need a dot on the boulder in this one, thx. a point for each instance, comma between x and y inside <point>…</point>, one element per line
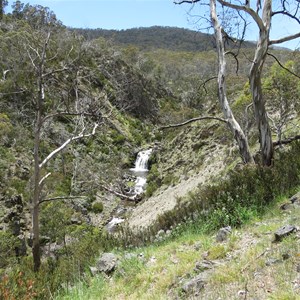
<point>107,263</point>
<point>203,265</point>
<point>284,231</point>
<point>195,285</point>
<point>295,199</point>
<point>223,233</point>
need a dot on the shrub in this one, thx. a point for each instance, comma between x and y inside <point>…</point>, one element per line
<point>97,207</point>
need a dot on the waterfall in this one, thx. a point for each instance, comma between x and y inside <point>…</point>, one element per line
<point>140,173</point>
<point>140,170</point>
<point>141,163</point>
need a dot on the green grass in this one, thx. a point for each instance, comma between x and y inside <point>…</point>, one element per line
<point>155,271</point>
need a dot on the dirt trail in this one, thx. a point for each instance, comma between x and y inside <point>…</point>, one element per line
<point>148,211</point>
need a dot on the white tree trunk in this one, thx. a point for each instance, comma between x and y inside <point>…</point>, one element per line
<point>233,125</point>
<point>265,135</point>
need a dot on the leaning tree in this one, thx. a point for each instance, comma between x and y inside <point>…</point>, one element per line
<point>264,14</point>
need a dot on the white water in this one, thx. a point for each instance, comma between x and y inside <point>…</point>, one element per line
<point>140,170</point>
<point>141,163</point>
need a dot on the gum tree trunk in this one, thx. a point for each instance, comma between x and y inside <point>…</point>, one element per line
<point>265,135</point>
<point>233,125</point>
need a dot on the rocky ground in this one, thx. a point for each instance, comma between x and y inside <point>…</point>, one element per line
<point>258,261</point>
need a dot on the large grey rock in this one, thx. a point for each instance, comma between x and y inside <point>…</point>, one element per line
<point>284,231</point>
<point>295,199</point>
<point>107,263</point>
<point>195,285</point>
<point>223,233</point>
<point>294,202</point>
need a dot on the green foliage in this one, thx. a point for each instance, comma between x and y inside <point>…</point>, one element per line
<point>97,207</point>
<point>6,129</point>
<point>8,243</point>
<point>20,282</point>
<point>153,180</point>
<point>217,252</point>
<point>155,37</point>
<point>55,217</point>
<point>6,159</point>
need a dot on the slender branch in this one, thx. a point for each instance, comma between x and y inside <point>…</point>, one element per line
<point>282,66</point>
<point>44,178</point>
<point>122,196</point>
<point>193,120</point>
<point>55,71</point>
<point>186,1</point>
<point>286,141</point>
<point>283,12</point>
<point>60,198</point>
<point>12,93</point>
<point>236,59</point>
<point>206,81</point>
<point>285,39</point>
<point>255,16</point>
<point>67,142</point>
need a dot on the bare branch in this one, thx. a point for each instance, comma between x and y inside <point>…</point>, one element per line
<point>255,16</point>
<point>67,142</point>
<point>134,198</point>
<point>236,59</point>
<point>60,198</point>
<point>282,66</point>
<point>193,120</point>
<point>186,1</point>
<point>287,141</point>
<point>11,93</point>
<point>55,71</point>
<point>285,39</point>
<point>206,81</point>
<point>44,178</point>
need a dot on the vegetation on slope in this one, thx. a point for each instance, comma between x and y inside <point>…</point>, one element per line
<point>157,37</point>
<point>248,262</point>
<point>134,89</point>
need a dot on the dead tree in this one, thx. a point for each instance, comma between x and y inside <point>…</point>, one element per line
<point>38,58</point>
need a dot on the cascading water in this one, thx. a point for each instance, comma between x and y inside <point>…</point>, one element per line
<point>141,163</point>
<point>140,171</point>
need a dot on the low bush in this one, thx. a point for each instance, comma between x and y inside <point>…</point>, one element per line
<point>97,207</point>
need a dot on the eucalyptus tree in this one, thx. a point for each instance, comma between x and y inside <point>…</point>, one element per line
<point>230,17</point>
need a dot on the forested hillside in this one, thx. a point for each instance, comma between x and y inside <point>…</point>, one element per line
<point>78,108</point>
<point>157,37</point>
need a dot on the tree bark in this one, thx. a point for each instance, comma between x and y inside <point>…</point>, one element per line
<point>36,252</point>
<point>229,117</point>
<point>265,135</point>
<point>36,197</point>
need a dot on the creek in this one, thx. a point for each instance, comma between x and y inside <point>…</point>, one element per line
<point>139,172</point>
